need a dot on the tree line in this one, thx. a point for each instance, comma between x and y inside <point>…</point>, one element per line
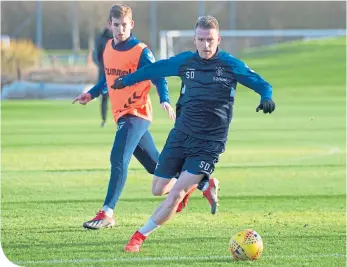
<point>18,18</point>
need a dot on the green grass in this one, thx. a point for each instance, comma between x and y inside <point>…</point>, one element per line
<point>282,175</point>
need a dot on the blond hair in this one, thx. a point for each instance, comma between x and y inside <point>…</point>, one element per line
<point>207,22</point>
<point>120,10</point>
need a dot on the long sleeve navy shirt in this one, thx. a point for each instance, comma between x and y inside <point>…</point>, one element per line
<point>208,91</point>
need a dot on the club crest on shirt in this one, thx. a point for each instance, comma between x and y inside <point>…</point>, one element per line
<point>219,71</point>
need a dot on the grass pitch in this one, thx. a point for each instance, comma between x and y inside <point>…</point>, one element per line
<point>282,175</point>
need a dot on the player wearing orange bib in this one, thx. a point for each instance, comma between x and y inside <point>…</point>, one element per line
<point>131,108</point>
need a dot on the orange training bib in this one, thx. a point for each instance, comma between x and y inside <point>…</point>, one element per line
<point>132,99</point>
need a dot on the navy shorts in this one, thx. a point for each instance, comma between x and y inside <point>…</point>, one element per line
<point>183,152</point>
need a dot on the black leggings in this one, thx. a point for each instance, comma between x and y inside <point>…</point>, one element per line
<point>104,100</point>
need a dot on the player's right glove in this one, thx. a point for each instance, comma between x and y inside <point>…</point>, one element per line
<point>118,83</point>
<point>267,106</point>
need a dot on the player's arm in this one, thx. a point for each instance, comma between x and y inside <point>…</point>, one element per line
<point>99,88</point>
<point>147,58</point>
<point>249,78</point>
<point>159,69</point>
<point>94,92</point>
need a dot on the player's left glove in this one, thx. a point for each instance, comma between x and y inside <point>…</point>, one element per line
<point>267,106</point>
<point>118,83</point>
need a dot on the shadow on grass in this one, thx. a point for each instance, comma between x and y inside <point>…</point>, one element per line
<point>153,199</point>
<point>101,245</point>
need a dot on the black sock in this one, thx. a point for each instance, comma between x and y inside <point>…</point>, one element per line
<point>203,182</point>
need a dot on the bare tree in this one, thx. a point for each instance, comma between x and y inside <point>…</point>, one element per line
<point>75,32</point>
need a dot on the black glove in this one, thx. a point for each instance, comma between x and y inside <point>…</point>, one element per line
<point>118,83</point>
<point>267,106</point>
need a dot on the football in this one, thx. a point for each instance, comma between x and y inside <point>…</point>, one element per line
<point>246,245</point>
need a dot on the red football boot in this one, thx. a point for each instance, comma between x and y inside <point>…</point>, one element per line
<point>211,194</point>
<point>135,242</point>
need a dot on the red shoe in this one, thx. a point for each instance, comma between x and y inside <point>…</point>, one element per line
<point>135,242</point>
<point>184,202</point>
<point>101,220</point>
<point>211,194</point>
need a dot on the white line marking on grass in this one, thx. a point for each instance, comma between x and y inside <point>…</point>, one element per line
<point>177,258</point>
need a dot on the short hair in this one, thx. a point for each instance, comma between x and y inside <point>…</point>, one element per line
<point>120,10</point>
<point>207,22</point>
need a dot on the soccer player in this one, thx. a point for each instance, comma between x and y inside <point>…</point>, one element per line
<point>100,42</point>
<point>132,110</point>
<point>210,77</point>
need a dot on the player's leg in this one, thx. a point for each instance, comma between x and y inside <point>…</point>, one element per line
<point>162,186</point>
<point>104,102</point>
<point>129,132</point>
<point>185,182</point>
<point>168,188</point>
<point>165,211</point>
<point>127,138</point>
<point>202,155</point>
<point>148,155</point>
<point>196,168</point>
<point>170,165</point>
<point>171,158</point>
<point>204,164</point>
